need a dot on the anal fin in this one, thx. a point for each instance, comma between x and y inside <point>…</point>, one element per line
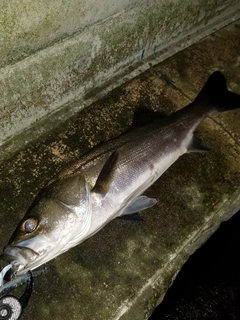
<point>197,146</point>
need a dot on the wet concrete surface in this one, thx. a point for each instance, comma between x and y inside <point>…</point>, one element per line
<point>124,271</point>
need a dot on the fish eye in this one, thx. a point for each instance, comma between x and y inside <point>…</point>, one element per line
<point>29,225</point>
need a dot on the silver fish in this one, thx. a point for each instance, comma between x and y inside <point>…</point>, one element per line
<point>109,181</point>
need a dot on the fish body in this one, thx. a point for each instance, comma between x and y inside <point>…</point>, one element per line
<point>109,181</point>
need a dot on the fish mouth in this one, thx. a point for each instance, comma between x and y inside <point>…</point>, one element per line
<point>14,261</point>
<point>28,254</point>
<point>8,268</point>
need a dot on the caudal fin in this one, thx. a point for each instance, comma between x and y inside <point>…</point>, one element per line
<point>215,90</point>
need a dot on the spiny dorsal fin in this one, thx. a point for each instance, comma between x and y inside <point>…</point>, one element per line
<point>143,116</point>
<point>105,176</point>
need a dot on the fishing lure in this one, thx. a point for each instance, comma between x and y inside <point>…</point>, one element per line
<point>11,307</point>
<point>7,287</point>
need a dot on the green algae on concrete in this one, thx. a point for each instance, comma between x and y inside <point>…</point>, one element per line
<point>79,58</point>
<point>124,270</point>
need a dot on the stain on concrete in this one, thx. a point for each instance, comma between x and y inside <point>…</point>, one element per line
<point>45,82</point>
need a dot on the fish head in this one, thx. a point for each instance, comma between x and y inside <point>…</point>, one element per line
<point>57,220</point>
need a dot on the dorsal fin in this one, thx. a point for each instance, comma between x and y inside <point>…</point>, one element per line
<point>105,176</point>
<point>143,116</point>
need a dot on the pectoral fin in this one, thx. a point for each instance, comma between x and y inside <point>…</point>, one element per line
<point>105,176</point>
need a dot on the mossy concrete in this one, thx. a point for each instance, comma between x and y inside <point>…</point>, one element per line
<point>124,270</point>
<point>63,52</point>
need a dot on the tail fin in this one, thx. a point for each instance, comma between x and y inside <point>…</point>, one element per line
<point>216,90</point>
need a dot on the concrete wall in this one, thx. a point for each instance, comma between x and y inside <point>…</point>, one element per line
<point>29,25</point>
<point>57,56</point>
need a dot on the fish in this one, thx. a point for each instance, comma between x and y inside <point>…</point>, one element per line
<point>110,181</point>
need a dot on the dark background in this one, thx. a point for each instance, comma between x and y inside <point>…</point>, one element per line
<point>208,286</point>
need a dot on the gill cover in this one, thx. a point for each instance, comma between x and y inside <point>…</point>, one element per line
<point>59,218</point>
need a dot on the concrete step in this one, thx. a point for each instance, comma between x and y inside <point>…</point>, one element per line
<point>124,270</point>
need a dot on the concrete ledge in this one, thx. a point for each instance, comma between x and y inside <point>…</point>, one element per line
<point>96,59</point>
<point>124,270</point>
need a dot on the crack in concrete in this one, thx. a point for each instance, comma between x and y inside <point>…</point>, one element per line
<point>225,130</point>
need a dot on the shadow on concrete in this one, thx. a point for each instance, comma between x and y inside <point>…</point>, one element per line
<point>208,286</point>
